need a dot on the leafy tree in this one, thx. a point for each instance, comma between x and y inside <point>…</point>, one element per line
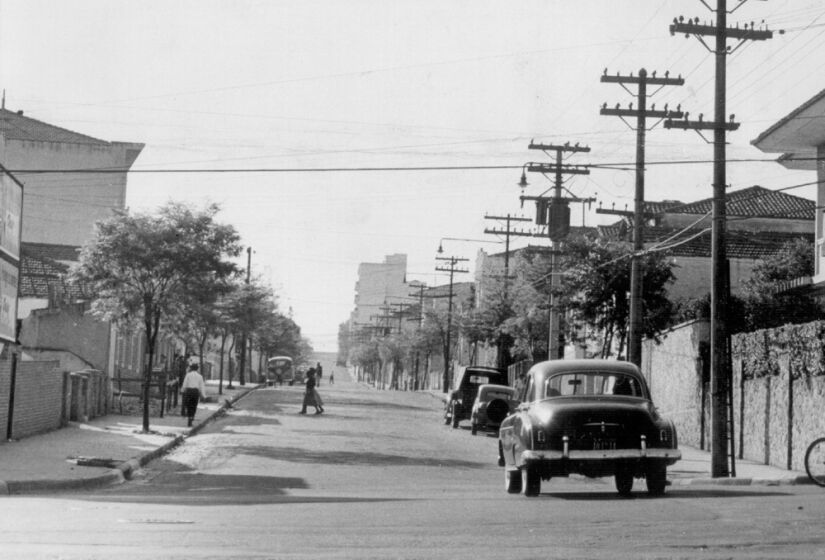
<point>766,303</point>
<point>251,306</point>
<point>145,268</point>
<point>596,290</point>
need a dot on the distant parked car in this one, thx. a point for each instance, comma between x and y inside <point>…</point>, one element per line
<point>589,417</point>
<point>460,403</point>
<point>492,405</point>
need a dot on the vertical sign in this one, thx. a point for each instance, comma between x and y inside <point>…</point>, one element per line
<point>11,212</point>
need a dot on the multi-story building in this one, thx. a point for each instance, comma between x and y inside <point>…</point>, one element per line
<point>380,285</point>
<point>70,180</point>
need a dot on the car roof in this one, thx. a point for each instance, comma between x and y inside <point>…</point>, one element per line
<point>555,366</point>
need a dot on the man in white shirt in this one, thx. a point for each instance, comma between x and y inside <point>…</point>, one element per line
<point>192,390</point>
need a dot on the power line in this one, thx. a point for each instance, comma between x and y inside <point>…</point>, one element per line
<point>607,165</point>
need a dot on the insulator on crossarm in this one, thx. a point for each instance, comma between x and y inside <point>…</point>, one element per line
<point>686,115</point>
<point>654,74</point>
<point>630,106</point>
<point>618,105</point>
<point>604,106</point>
<point>667,73</point>
<point>605,72</point>
<point>701,115</point>
<point>732,116</point>
<point>653,107</point>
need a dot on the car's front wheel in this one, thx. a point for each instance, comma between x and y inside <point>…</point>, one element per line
<point>656,478</point>
<point>512,481</point>
<point>530,481</point>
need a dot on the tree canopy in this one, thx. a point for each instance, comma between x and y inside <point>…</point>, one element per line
<point>147,268</point>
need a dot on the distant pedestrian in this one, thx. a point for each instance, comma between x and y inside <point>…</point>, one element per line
<point>310,394</point>
<point>193,390</point>
<point>332,377</point>
<point>319,371</point>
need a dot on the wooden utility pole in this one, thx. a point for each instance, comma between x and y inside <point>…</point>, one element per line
<point>720,381</point>
<point>447,378</point>
<point>554,212</point>
<point>641,113</point>
<point>503,357</point>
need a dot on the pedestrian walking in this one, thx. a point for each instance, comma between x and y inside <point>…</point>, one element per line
<point>310,394</point>
<point>192,390</point>
<point>332,377</point>
<point>319,371</point>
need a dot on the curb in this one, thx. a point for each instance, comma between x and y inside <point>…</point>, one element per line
<point>119,474</point>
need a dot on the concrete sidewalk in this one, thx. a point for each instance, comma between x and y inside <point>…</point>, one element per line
<point>103,451</point>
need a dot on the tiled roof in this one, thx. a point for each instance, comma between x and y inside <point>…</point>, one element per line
<point>739,245</point>
<point>41,275</point>
<point>18,127</point>
<point>756,202</point>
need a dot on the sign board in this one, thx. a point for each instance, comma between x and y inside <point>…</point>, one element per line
<point>11,211</point>
<point>8,300</point>
<point>11,214</point>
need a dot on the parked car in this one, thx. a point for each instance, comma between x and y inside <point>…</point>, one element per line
<point>459,405</point>
<point>589,417</point>
<point>492,405</point>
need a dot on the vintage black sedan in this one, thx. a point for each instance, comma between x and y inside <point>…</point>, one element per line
<point>588,417</point>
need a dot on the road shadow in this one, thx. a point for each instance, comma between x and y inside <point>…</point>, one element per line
<point>353,458</point>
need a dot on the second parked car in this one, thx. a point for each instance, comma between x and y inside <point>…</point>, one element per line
<point>493,404</point>
<point>460,404</point>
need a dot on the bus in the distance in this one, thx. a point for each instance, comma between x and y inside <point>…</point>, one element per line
<point>280,370</point>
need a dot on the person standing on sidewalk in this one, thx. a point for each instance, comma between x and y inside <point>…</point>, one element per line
<point>319,371</point>
<point>193,390</point>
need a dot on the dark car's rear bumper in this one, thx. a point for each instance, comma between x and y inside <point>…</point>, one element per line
<point>668,455</point>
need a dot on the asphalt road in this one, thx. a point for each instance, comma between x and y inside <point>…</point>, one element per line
<point>380,476</point>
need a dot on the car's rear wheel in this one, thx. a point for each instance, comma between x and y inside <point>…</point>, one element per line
<point>530,481</point>
<point>656,478</point>
<point>512,481</point>
<point>624,480</point>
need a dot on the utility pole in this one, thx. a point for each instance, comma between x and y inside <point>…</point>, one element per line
<point>642,81</point>
<point>447,379</point>
<point>504,341</point>
<point>720,288</point>
<point>554,212</point>
<point>242,361</point>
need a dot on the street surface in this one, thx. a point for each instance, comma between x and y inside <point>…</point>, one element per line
<point>380,476</point>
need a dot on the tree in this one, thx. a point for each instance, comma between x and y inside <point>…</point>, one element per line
<point>144,268</point>
<point>596,287</point>
<point>766,303</point>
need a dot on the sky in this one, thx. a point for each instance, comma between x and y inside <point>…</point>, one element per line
<point>304,118</point>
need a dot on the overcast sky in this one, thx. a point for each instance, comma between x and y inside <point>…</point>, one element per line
<point>309,85</point>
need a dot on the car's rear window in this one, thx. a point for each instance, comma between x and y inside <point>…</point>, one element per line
<point>498,394</point>
<point>595,383</point>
